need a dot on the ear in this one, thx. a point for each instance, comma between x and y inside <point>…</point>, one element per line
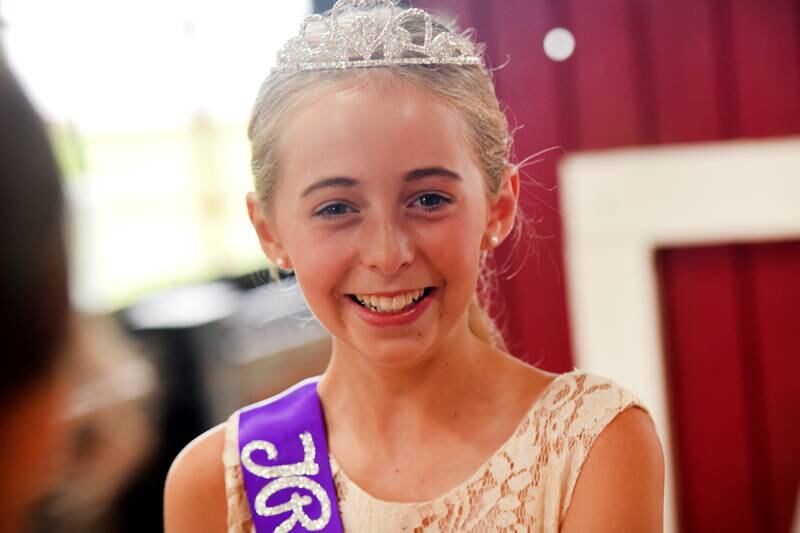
<point>265,229</point>
<point>503,208</point>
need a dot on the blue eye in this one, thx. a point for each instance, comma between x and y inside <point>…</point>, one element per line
<point>334,210</point>
<point>432,201</point>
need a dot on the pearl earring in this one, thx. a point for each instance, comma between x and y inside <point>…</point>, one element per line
<point>281,262</point>
<point>494,240</point>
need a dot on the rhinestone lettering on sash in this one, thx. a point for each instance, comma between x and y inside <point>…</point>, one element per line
<point>286,477</point>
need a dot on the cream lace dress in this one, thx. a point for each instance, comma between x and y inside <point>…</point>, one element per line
<point>525,486</point>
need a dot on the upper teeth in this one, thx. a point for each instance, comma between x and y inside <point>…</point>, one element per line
<point>390,303</point>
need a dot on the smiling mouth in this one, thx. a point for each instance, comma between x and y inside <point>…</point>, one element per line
<point>388,305</point>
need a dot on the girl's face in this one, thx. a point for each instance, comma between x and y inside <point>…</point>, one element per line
<point>382,211</point>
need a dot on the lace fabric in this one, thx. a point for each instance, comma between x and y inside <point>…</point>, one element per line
<point>525,486</point>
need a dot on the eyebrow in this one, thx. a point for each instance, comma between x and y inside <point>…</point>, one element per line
<point>422,173</point>
<point>413,175</point>
<point>338,181</point>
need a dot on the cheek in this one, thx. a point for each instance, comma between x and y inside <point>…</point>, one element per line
<point>320,265</point>
<point>453,252</point>
<point>454,249</point>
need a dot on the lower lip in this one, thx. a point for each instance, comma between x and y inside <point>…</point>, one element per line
<point>393,319</point>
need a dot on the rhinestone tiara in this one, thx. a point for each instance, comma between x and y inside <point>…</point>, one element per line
<point>372,26</point>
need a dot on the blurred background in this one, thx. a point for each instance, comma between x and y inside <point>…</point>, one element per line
<point>147,106</point>
<point>664,190</point>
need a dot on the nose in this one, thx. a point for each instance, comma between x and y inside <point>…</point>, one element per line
<point>386,247</point>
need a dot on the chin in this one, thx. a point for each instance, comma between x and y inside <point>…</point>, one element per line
<point>397,354</point>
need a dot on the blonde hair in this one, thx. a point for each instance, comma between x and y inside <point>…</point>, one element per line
<point>468,89</point>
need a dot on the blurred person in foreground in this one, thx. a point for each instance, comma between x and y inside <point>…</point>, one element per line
<point>110,413</point>
<point>34,308</point>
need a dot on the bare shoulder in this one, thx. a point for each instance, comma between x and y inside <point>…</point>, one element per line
<point>194,494</point>
<point>527,379</point>
<point>621,484</point>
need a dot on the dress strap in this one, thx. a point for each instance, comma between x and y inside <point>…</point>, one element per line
<point>576,411</point>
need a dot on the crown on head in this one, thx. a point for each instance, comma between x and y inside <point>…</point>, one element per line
<point>377,27</point>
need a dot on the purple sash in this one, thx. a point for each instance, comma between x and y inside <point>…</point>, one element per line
<point>283,451</point>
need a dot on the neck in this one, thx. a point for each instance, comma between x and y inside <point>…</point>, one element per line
<point>386,401</point>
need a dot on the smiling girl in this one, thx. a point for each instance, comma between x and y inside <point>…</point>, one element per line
<point>382,171</point>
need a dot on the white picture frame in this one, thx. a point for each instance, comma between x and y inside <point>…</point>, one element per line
<point>619,206</point>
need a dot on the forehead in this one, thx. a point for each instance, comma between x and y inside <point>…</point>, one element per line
<point>369,129</point>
